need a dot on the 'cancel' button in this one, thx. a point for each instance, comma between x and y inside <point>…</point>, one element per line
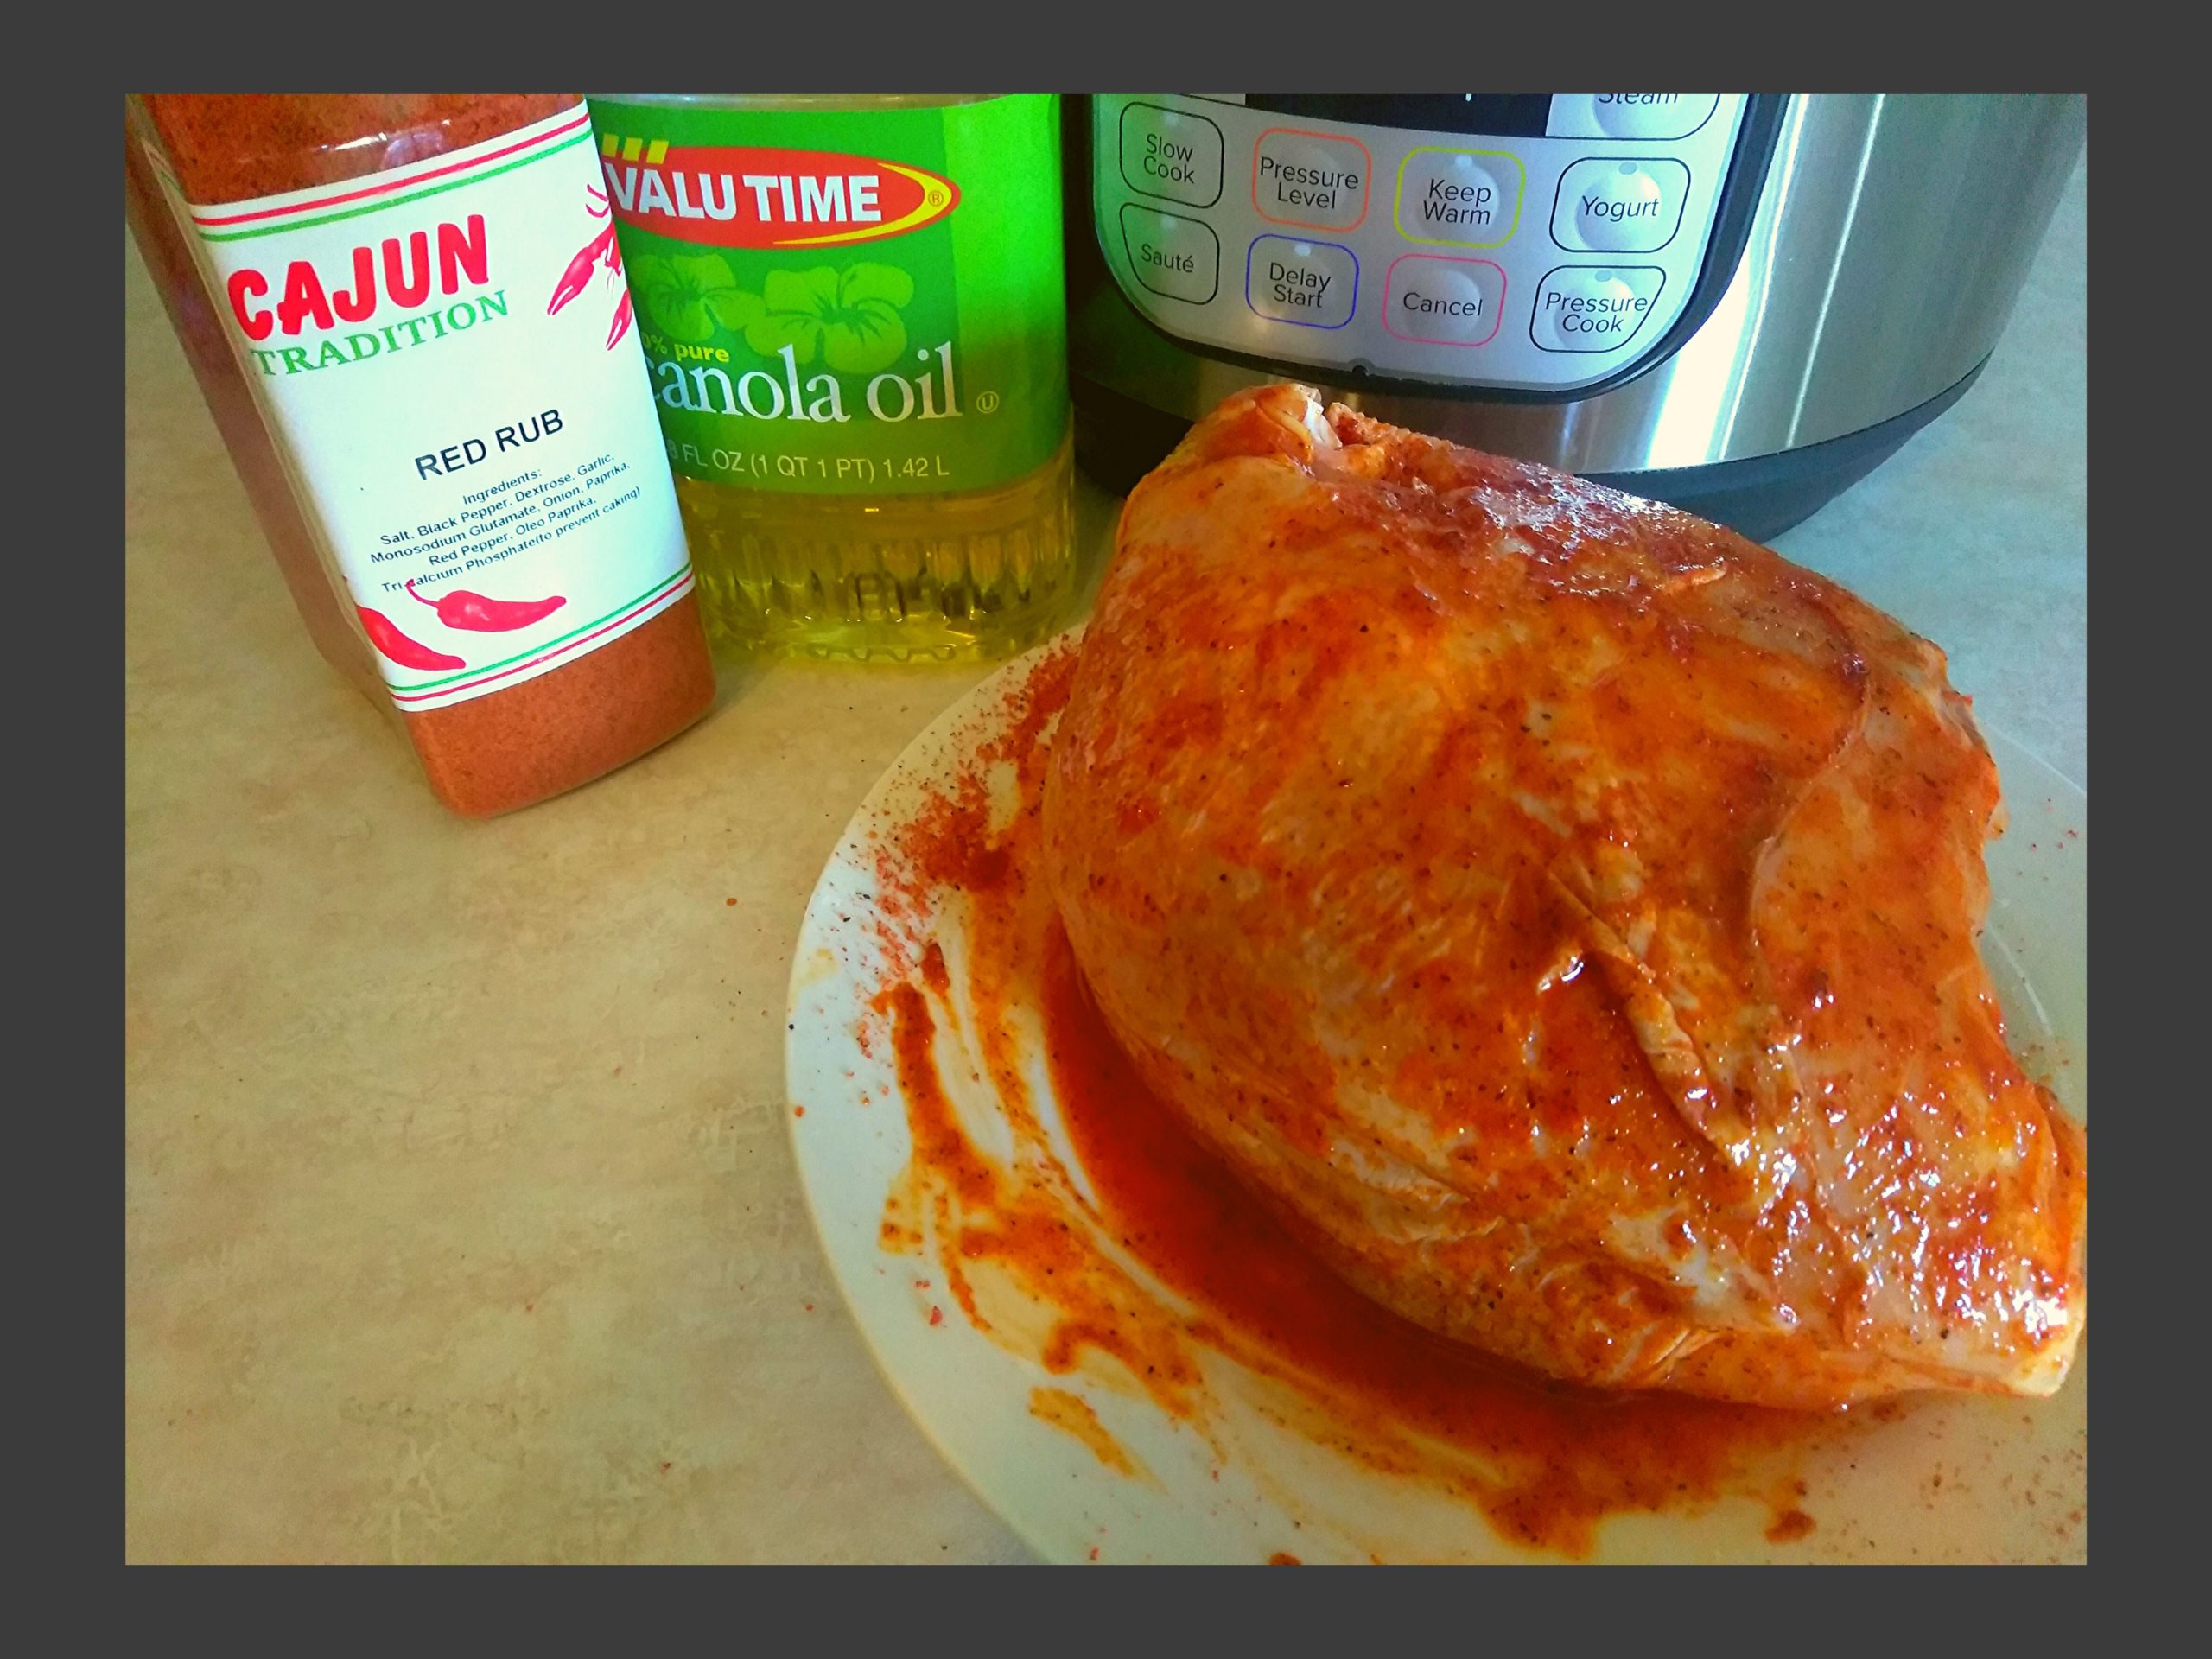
<point>1440,302</point>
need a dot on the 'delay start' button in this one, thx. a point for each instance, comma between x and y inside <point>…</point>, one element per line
<point>1443,302</point>
<point>1171,153</point>
<point>1315,285</point>
<point>1609,204</point>
<point>1469,198</point>
<point>1315,179</point>
<point>1178,257</point>
<point>1593,308</point>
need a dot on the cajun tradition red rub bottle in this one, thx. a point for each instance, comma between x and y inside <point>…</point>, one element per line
<point>407,314</point>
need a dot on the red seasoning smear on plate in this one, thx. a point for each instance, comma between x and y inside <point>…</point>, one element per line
<point>1174,1262</point>
<point>1078,1417</point>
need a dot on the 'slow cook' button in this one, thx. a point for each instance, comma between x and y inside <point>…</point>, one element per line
<point>1594,309</point>
<point>1312,283</point>
<point>1313,179</point>
<point>1171,153</point>
<point>1442,301</point>
<point>1612,205</point>
<point>1178,257</point>
<point>1468,197</point>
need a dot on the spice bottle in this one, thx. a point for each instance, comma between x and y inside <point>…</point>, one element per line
<point>854,313</point>
<point>405,313</point>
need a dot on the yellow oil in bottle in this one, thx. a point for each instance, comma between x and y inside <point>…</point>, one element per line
<point>909,578</point>
<point>853,311</point>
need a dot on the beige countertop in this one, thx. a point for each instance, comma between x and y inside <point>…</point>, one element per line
<point>461,1220</point>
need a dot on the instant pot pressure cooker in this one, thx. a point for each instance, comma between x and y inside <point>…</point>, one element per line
<point>1738,302</point>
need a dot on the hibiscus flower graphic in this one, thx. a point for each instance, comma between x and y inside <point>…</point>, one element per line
<point>848,319</point>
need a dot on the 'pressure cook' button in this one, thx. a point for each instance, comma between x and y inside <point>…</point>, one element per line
<point>1593,308</point>
<point>1171,153</point>
<point>1612,205</point>
<point>1314,179</point>
<point>1179,257</point>
<point>1441,302</point>
<point>1315,285</point>
<point>1469,198</point>
<point>1629,114</point>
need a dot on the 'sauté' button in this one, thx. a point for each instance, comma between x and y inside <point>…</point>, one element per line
<point>1171,153</point>
<point>1175,257</point>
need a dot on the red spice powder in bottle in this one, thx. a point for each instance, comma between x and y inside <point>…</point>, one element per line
<point>406,313</point>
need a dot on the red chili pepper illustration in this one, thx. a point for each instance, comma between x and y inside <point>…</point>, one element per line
<point>461,609</point>
<point>408,653</point>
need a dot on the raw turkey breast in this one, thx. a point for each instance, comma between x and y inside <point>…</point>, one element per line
<point>1563,912</point>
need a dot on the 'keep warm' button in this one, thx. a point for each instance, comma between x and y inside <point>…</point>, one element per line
<point>1315,285</point>
<point>1593,308</point>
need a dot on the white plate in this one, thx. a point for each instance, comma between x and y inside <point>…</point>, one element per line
<point>1942,1479</point>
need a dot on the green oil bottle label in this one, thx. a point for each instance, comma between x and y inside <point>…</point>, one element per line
<point>850,302</point>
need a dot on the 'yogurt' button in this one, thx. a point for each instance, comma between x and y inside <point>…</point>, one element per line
<point>1629,114</point>
<point>1179,257</point>
<point>1315,285</point>
<point>1593,308</point>
<point>1443,302</point>
<point>1313,179</point>
<point>1468,197</point>
<point>1612,205</point>
<point>1171,153</point>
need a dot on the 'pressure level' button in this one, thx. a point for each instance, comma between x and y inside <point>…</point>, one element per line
<point>1609,204</point>
<point>1171,153</point>
<point>1593,308</point>
<point>1179,257</point>
<point>1319,179</point>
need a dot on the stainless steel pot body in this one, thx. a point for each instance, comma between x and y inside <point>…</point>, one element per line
<point>1882,247</point>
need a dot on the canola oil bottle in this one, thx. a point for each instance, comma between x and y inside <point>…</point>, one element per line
<point>853,315</point>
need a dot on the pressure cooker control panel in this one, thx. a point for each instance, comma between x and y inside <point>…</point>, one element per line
<point>1541,242</point>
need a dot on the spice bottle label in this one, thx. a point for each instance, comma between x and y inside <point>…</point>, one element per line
<point>848,303</point>
<point>446,349</point>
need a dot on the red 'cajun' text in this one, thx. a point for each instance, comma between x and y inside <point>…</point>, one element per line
<point>404,265</point>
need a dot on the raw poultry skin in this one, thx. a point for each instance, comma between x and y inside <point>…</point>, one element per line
<point>1563,912</point>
